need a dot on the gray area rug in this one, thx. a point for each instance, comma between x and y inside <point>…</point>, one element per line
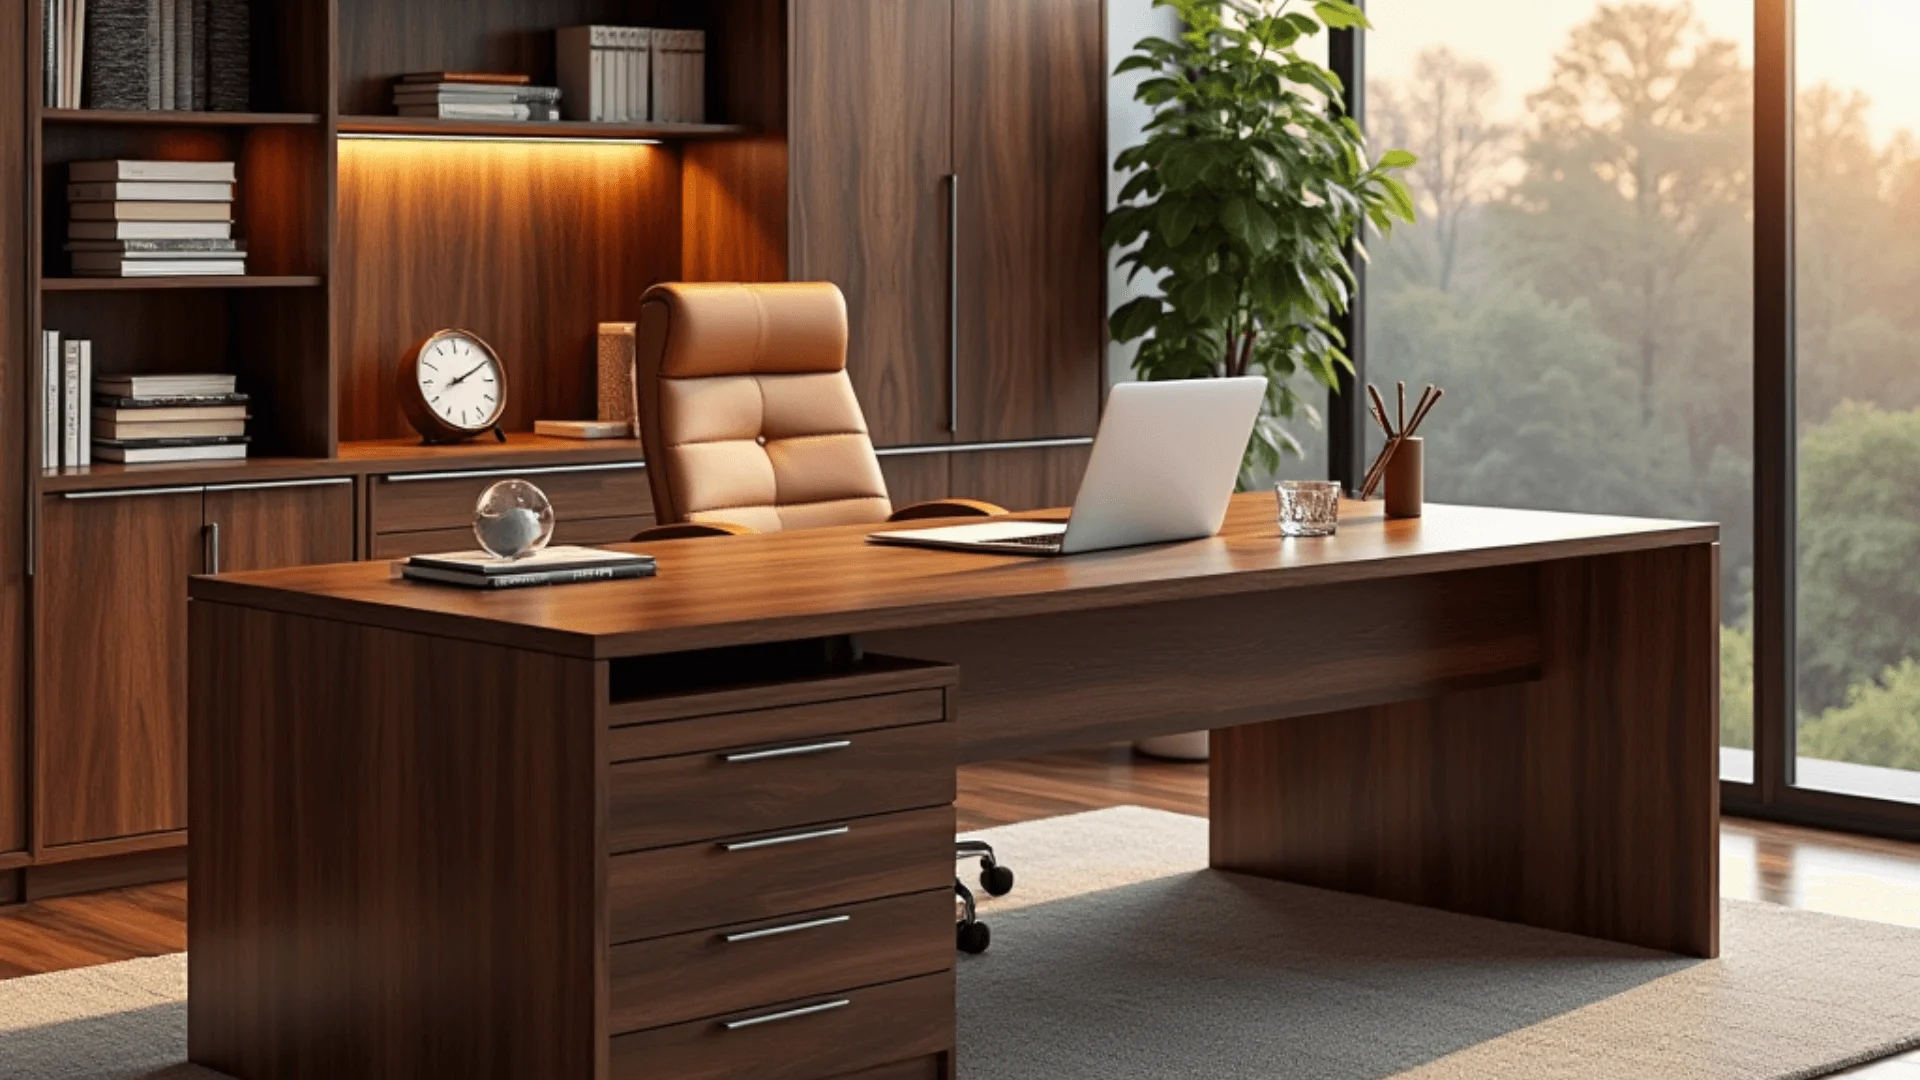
<point>1119,956</point>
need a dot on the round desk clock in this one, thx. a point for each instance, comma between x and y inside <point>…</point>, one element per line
<point>453,387</point>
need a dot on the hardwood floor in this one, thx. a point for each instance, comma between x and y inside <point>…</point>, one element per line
<point>1831,872</point>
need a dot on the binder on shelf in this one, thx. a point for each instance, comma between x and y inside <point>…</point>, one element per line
<point>51,382</point>
<point>70,389</point>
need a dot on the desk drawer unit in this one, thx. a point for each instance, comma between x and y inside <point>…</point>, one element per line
<point>806,1039</point>
<point>779,891</point>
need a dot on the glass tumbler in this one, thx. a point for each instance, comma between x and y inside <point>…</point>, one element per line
<point>1308,507</point>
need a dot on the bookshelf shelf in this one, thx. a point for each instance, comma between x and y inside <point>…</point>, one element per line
<point>177,118</point>
<point>250,281</point>
<point>426,128</point>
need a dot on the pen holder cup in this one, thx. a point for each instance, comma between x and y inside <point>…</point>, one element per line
<point>1406,480</point>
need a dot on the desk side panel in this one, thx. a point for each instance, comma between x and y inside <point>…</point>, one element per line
<point>1051,682</point>
<point>395,847</point>
<point>1586,801</point>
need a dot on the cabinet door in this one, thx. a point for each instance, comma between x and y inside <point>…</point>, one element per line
<point>110,608</point>
<point>15,392</point>
<point>1030,148</point>
<point>267,528</point>
<point>871,146</point>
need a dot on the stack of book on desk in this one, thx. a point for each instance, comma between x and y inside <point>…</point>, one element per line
<point>152,219</point>
<point>454,95</point>
<point>142,419</point>
<point>553,566</point>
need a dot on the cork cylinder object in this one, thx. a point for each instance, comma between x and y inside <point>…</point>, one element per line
<point>1406,479</point>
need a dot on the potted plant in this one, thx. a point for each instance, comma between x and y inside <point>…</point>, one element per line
<point>1242,204</point>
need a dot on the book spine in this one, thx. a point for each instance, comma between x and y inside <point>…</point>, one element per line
<point>229,60</point>
<point>183,54</point>
<point>116,39</point>
<point>600,76</point>
<point>167,54</point>
<point>200,53</point>
<point>70,404</point>
<point>151,42</point>
<point>79,53</point>
<point>616,106</point>
<point>51,378</point>
<point>81,406</point>
<point>47,66</point>
<point>695,111</point>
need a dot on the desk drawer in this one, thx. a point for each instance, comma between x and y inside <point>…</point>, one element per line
<point>750,727</point>
<point>808,1039</point>
<point>446,502</point>
<point>401,545</point>
<point>709,972</point>
<point>780,785</point>
<point>696,886</point>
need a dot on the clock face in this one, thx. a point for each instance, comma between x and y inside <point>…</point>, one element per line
<point>460,381</point>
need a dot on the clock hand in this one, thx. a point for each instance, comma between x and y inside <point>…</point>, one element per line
<point>468,375</point>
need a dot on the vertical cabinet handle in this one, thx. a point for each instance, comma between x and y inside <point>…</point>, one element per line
<point>953,302</point>
<point>213,547</point>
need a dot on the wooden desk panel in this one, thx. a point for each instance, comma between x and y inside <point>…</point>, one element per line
<point>719,591</point>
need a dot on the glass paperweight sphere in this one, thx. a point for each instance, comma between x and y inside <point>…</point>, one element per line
<point>513,519</point>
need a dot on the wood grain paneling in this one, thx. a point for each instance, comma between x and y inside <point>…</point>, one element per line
<point>1029,141</point>
<point>473,813</point>
<point>267,528</point>
<point>1585,801</point>
<point>1035,684</point>
<point>1036,478</point>
<point>530,246</point>
<point>110,659</point>
<point>16,382</point>
<point>872,115</point>
<point>913,478</point>
<point>735,217</point>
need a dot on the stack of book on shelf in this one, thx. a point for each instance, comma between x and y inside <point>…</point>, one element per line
<point>457,95</point>
<point>66,368</point>
<point>144,419</point>
<point>152,219</point>
<point>631,74</point>
<point>553,566</point>
<point>146,54</point>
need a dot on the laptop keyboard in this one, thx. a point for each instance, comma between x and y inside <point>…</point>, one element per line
<point>1038,540</point>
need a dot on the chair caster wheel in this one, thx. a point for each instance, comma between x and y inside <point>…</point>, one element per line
<point>997,880</point>
<point>972,937</point>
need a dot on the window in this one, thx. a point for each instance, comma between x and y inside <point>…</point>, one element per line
<point>1580,281</point>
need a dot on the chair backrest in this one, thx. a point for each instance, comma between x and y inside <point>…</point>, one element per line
<point>746,410</point>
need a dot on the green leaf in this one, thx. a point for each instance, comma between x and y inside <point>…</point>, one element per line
<point>1176,221</point>
<point>1137,62</point>
<point>1398,159</point>
<point>1341,15</point>
<point>1135,318</point>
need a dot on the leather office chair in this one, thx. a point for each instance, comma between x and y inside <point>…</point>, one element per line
<point>751,425</point>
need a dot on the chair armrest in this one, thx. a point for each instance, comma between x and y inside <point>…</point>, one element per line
<point>689,530</point>
<point>943,508</point>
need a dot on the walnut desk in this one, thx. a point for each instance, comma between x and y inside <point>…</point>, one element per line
<point>700,825</point>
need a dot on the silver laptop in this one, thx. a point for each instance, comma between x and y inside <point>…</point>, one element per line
<point>1163,469</point>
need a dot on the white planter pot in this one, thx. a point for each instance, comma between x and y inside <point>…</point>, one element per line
<point>1191,746</point>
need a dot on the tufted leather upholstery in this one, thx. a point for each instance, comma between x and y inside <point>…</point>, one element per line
<point>746,410</point>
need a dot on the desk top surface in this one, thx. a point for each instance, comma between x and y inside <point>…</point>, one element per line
<point>736,590</point>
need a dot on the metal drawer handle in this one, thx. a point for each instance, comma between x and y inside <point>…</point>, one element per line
<point>776,931</point>
<point>788,751</point>
<point>790,1014</point>
<point>789,838</point>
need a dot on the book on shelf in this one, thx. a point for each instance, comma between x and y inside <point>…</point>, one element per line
<point>85,265</point>
<point>71,388</point>
<point>51,379</point>
<point>152,211</point>
<point>164,429</point>
<point>130,454</point>
<point>561,565</point>
<point>583,429</point>
<point>173,248</point>
<point>106,399</point>
<point>148,54</point>
<point>150,191</point>
<point>97,231</point>
<point>203,172</point>
<point>470,94</point>
<point>467,112</point>
<point>604,72</point>
<point>166,414</point>
<point>472,99</point>
<point>680,76</point>
<point>482,78</point>
<point>193,442</point>
<point>167,386</point>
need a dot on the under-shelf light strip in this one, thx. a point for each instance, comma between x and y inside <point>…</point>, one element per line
<point>574,140</point>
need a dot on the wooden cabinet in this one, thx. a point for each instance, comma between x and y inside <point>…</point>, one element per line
<point>1029,145</point>
<point>871,158</point>
<point>947,171</point>
<point>111,642</point>
<point>111,664</point>
<point>14,501</point>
